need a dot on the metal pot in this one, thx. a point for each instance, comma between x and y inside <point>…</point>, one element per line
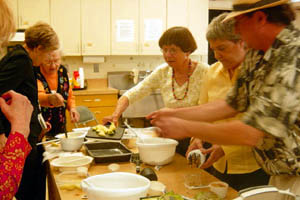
<point>265,192</point>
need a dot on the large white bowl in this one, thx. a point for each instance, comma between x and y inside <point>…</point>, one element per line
<point>73,142</point>
<point>157,151</point>
<point>116,186</point>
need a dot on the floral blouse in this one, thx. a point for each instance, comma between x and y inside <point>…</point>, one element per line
<point>12,160</point>
<point>161,78</point>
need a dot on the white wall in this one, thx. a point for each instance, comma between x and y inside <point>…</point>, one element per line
<point>117,63</point>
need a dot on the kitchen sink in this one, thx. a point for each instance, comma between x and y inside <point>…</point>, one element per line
<point>123,81</point>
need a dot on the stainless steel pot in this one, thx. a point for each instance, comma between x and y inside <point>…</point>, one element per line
<point>266,192</point>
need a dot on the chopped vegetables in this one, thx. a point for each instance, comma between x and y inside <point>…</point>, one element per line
<point>171,196</point>
<point>103,130</point>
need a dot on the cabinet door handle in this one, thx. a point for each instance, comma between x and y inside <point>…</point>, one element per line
<point>87,100</point>
<point>97,100</point>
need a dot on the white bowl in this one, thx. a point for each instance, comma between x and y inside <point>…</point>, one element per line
<point>157,151</point>
<point>73,142</point>
<point>116,186</point>
<point>71,163</point>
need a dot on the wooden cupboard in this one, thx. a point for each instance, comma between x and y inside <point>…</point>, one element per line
<point>100,104</point>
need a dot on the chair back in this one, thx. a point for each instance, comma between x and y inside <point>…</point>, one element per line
<point>86,115</point>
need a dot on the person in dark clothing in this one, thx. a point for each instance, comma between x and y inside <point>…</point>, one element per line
<point>16,73</point>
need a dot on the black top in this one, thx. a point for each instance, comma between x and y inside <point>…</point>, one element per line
<point>16,73</point>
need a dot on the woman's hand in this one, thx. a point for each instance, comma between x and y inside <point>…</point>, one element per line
<point>216,152</point>
<point>18,110</point>
<point>74,115</point>
<point>111,118</point>
<point>195,144</point>
<point>56,100</point>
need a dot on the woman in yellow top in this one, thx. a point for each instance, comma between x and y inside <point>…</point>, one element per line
<point>179,80</point>
<point>235,165</point>
<point>55,94</point>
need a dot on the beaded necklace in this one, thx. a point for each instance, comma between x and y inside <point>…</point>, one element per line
<point>188,82</point>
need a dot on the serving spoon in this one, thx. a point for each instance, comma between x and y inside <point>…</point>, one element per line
<point>134,131</point>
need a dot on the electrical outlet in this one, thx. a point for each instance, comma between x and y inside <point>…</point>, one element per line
<point>96,67</point>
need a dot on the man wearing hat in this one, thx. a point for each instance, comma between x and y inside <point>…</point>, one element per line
<point>267,92</point>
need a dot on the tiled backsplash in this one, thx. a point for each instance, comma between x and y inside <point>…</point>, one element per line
<point>116,63</point>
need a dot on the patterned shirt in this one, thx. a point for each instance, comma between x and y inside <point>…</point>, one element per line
<point>12,159</point>
<point>268,91</point>
<point>161,78</point>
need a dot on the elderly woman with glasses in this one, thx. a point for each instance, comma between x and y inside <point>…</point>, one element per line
<point>55,94</point>
<point>179,80</point>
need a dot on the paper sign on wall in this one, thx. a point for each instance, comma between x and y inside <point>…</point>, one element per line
<point>125,30</point>
<point>153,29</point>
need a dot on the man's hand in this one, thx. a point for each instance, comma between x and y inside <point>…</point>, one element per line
<point>110,118</point>
<point>170,127</point>
<point>18,110</point>
<point>165,112</point>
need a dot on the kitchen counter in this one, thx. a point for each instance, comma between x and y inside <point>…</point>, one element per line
<point>172,175</point>
<point>95,87</point>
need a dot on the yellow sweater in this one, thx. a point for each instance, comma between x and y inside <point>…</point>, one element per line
<point>217,83</point>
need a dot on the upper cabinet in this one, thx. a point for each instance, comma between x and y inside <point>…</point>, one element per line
<point>137,26</point>
<point>125,22</point>
<point>152,25</point>
<point>66,21</point>
<point>194,16</point>
<point>32,11</point>
<point>95,27</point>
<point>13,4</point>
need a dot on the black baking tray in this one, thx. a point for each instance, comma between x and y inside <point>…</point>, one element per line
<point>108,152</point>
<point>117,136</point>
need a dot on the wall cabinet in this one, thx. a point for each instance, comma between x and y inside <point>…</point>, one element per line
<point>66,21</point>
<point>101,105</point>
<point>95,28</point>
<point>137,26</point>
<point>28,12</point>
<point>193,15</point>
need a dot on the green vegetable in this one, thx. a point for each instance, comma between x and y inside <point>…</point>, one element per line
<point>171,196</point>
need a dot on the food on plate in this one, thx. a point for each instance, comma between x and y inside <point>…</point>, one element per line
<point>103,130</point>
<point>69,186</point>
<point>171,196</point>
<point>203,195</point>
<point>149,173</point>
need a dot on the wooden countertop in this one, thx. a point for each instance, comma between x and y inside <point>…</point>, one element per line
<point>172,175</point>
<point>94,87</point>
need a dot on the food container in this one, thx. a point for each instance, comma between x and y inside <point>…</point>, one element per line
<point>71,163</point>
<point>108,152</point>
<point>73,142</point>
<point>219,188</point>
<point>116,186</point>
<point>157,151</point>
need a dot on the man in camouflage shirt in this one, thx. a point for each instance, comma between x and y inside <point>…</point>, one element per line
<point>267,92</point>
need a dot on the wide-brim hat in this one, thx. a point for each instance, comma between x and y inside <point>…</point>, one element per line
<point>245,6</point>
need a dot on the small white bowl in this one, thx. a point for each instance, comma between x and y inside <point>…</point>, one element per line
<point>73,142</point>
<point>157,151</point>
<point>71,163</point>
<point>116,186</point>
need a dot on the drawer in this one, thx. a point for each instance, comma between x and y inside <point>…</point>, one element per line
<point>97,100</point>
<point>101,112</point>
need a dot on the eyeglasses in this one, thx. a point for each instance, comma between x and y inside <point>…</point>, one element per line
<point>171,51</point>
<point>51,62</point>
